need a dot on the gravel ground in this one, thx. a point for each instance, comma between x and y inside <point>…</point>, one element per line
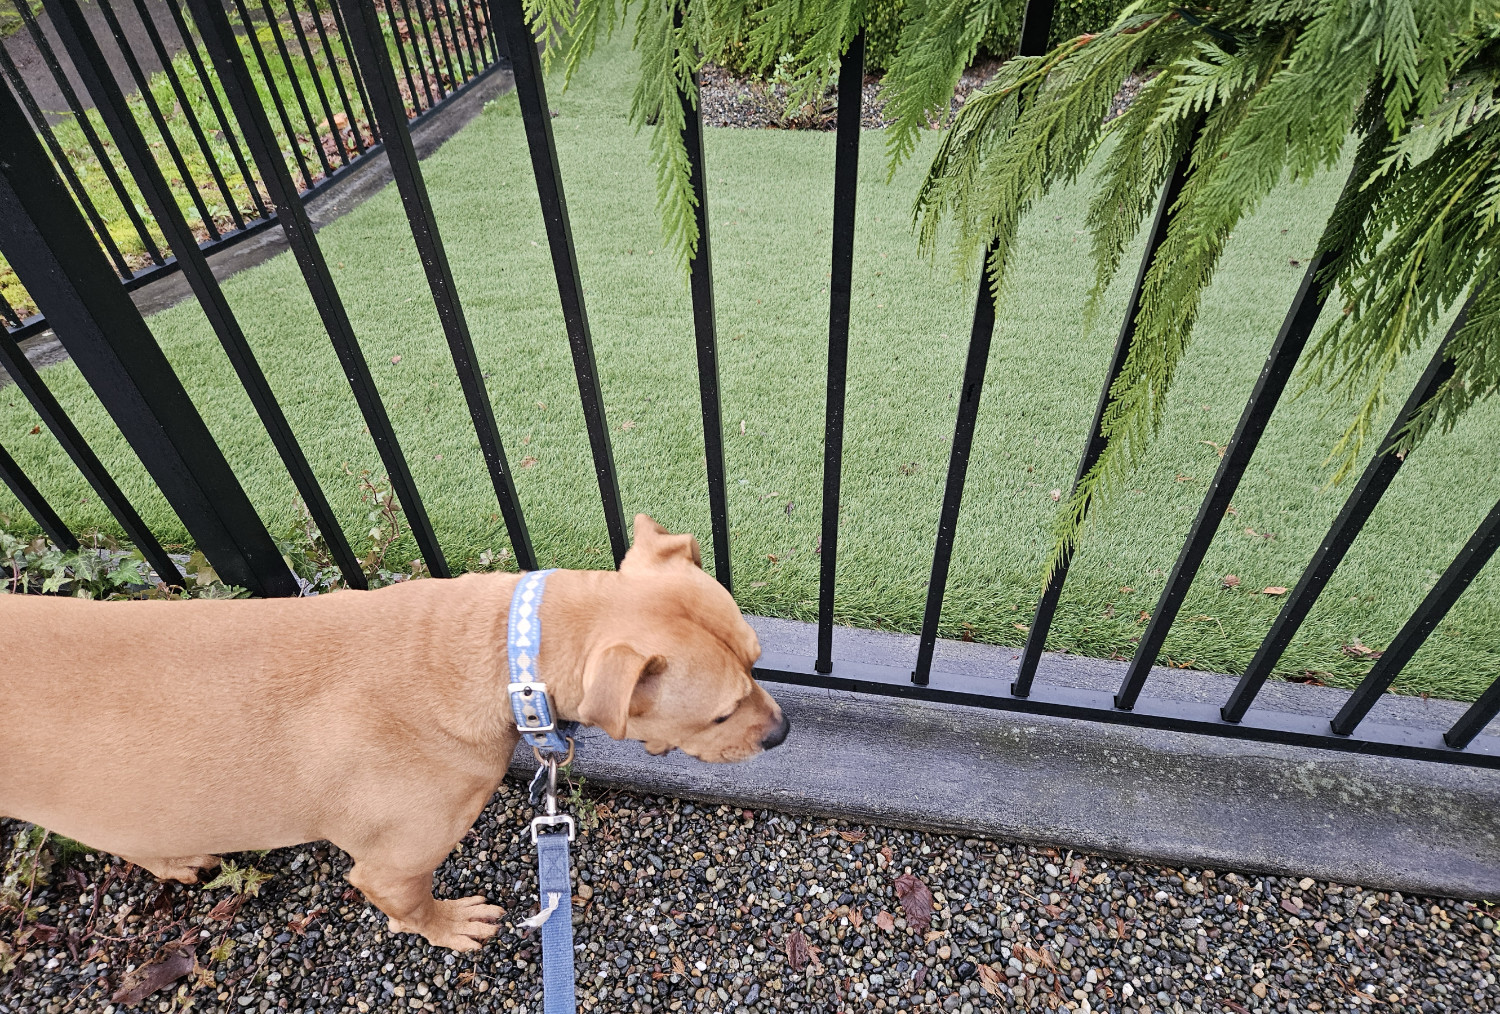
<point>731,100</point>
<point>685,907</point>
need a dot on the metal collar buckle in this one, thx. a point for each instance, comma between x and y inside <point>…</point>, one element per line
<point>533,709</point>
<point>552,820</point>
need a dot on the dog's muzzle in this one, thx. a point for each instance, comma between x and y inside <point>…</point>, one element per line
<point>777,735</point>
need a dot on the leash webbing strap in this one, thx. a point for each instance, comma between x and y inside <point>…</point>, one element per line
<point>555,881</point>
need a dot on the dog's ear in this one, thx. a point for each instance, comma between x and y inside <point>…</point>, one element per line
<point>617,683</point>
<point>655,546</point>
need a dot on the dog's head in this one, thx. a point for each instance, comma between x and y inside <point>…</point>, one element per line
<point>674,668</point>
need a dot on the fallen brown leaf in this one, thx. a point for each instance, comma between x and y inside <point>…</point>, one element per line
<point>855,918</point>
<point>528,461</point>
<point>176,961</point>
<point>678,967</point>
<point>1358,650</point>
<point>395,360</point>
<point>916,901</point>
<point>799,953</point>
<point>1274,589</point>
<point>989,979</point>
<point>885,921</point>
<point>854,836</point>
<point>1230,581</point>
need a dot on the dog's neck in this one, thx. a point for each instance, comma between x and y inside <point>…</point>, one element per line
<point>575,607</point>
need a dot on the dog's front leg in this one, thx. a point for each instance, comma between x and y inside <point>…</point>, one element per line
<point>394,869</point>
<point>405,895</point>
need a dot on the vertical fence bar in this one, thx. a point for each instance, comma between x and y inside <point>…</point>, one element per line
<point>432,51</point>
<point>338,81</point>
<point>411,86</point>
<point>705,328</point>
<point>840,291</point>
<point>443,44</point>
<point>191,116</point>
<point>1046,607</point>
<point>531,90</point>
<point>1479,715</point>
<point>1296,328</point>
<point>1455,580</point>
<point>975,364</point>
<point>56,420</point>
<point>1376,479</point>
<point>60,157</point>
<point>63,270</point>
<point>218,36</point>
<point>359,83</point>
<point>211,93</point>
<point>292,79</point>
<point>390,112</point>
<point>433,92</point>
<point>275,93</point>
<point>458,46</point>
<point>143,86</point>
<point>36,505</point>
<point>1036,28</point>
<point>86,126</point>
<point>317,80</point>
<point>72,27</point>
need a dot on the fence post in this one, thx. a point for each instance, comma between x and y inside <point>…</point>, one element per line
<point>89,61</point>
<point>47,242</point>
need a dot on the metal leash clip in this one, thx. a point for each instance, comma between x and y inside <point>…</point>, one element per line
<point>546,789</point>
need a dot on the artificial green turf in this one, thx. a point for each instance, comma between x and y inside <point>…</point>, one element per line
<point>770,205</point>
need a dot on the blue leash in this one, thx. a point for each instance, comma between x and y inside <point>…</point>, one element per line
<point>552,743</point>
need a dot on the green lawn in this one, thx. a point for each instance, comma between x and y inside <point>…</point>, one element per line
<point>770,203</point>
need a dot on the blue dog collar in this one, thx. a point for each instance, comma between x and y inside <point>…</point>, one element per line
<point>528,695</point>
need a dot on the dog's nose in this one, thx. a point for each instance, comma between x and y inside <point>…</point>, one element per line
<point>777,735</point>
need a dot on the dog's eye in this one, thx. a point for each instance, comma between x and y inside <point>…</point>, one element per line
<point>723,718</point>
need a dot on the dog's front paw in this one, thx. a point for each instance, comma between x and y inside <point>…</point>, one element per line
<point>461,925</point>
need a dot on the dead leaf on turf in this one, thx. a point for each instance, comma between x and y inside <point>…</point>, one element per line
<point>176,961</point>
<point>1230,581</point>
<point>1357,650</point>
<point>916,901</point>
<point>34,430</point>
<point>528,461</point>
<point>395,360</point>
<point>1056,495</point>
<point>1274,589</point>
<point>885,921</point>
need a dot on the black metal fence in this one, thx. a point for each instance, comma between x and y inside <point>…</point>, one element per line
<point>303,70</point>
<point>47,237</point>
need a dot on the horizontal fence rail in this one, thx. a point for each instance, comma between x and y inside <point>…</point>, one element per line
<point>294,98</point>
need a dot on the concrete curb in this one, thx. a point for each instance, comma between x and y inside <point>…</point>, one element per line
<point>365,179</point>
<point>1175,798</point>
